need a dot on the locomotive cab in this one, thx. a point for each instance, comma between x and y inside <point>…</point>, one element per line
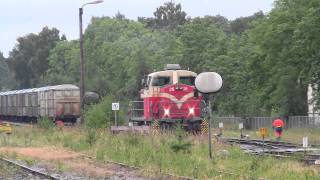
<point>170,97</point>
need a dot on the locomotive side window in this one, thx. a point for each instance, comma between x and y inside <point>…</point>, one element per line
<point>148,81</point>
<point>145,82</point>
<point>188,80</point>
<point>161,80</point>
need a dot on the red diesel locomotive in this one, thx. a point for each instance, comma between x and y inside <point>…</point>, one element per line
<point>169,98</point>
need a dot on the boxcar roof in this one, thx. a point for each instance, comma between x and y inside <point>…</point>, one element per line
<point>57,87</point>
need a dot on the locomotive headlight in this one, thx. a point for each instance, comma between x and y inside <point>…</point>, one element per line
<point>191,111</point>
<point>166,112</point>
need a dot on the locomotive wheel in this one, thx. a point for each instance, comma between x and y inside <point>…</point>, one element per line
<point>166,126</point>
<point>196,127</point>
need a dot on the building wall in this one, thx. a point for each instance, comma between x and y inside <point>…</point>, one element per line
<point>312,102</point>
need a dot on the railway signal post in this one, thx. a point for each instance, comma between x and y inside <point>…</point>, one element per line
<point>305,145</point>
<point>241,130</point>
<point>208,83</point>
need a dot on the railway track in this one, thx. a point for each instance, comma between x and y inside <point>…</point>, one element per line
<point>34,172</point>
<point>310,155</point>
<point>169,175</point>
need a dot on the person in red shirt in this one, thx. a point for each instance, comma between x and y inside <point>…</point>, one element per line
<point>278,127</point>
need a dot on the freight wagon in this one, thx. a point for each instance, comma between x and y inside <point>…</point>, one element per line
<point>61,102</point>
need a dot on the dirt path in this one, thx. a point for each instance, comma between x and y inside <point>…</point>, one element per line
<point>73,161</point>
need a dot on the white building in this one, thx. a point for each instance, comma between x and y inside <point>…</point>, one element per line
<point>312,111</point>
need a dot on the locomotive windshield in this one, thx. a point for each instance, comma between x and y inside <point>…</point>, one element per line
<point>188,80</point>
<point>161,80</point>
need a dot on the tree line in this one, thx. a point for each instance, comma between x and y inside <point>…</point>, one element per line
<point>267,61</point>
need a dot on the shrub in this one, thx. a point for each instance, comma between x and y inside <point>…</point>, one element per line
<point>180,143</point>
<point>101,115</point>
<point>98,115</point>
<point>91,136</point>
<point>46,123</point>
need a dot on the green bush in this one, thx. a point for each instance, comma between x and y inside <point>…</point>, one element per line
<point>98,115</point>
<point>91,136</point>
<point>101,115</point>
<point>46,123</point>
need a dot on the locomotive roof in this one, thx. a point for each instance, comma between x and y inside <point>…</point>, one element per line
<point>46,88</point>
<point>167,72</point>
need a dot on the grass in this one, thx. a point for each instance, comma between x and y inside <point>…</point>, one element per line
<point>155,153</point>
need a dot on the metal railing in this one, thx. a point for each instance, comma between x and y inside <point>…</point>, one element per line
<point>258,122</point>
<point>136,110</point>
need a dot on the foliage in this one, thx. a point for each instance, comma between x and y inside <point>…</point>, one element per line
<point>282,71</point>
<point>168,16</point>
<point>28,59</point>
<point>91,136</point>
<point>99,115</point>
<point>63,64</point>
<point>45,123</point>
<point>181,144</point>
<point>6,80</point>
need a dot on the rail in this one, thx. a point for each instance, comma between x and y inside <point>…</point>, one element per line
<point>310,155</point>
<point>32,171</point>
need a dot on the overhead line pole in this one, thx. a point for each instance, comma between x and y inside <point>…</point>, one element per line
<point>81,66</point>
<point>82,60</point>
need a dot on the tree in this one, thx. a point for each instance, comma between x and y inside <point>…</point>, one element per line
<point>63,64</point>
<point>281,62</point>
<point>168,16</point>
<point>28,60</point>
<point>201,42</point>
<point>219,21</point>
<point>242,24</point>
<point>120,16</point>
<point>6,81</point>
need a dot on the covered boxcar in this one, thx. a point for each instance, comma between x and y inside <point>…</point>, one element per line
<point>61,102</point>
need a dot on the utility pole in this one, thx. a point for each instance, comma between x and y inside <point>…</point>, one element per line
<point>81,67</point>
<point>82,62</point>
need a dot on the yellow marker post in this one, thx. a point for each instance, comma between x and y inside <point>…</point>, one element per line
<point>263,134</point>
<point>5,128</point>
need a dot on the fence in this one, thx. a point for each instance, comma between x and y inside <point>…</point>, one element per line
<point>258,122</point>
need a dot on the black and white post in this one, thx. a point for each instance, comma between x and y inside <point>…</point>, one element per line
<point>208,83</point>
<point>115,108</point>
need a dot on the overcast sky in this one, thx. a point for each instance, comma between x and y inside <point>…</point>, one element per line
<point>20,17</point>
